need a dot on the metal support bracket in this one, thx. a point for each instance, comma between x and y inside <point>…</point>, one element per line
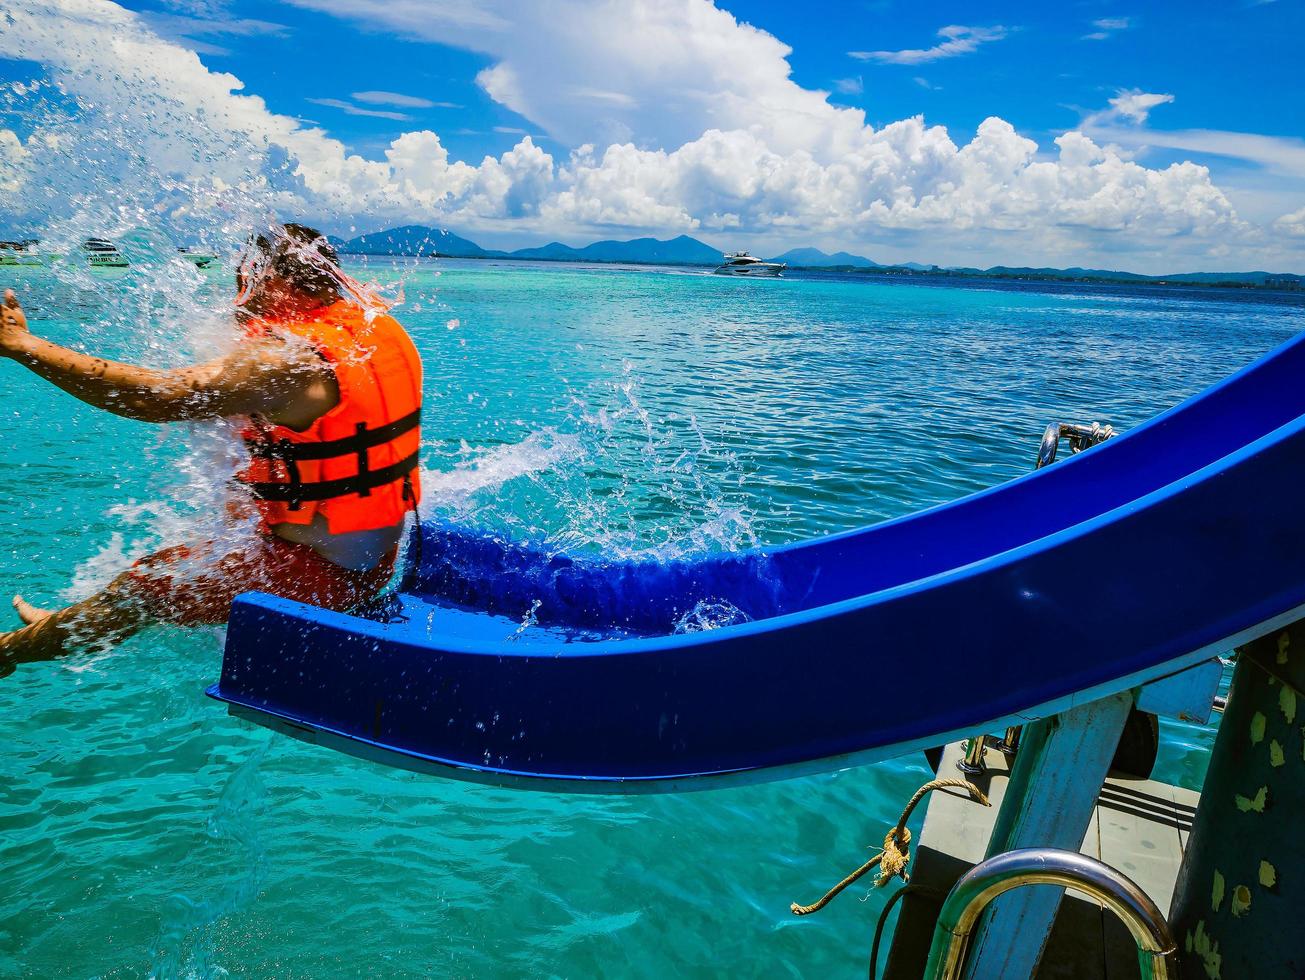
<point>1188,695</point>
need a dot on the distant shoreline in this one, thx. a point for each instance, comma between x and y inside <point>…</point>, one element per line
<point>1274,285</point>
<point>1286,284</point>
<point>687,253</point>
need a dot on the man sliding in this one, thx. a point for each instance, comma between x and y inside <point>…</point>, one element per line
<point>330,394</point>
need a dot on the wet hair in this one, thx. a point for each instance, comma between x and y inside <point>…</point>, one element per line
<point>300,255</point>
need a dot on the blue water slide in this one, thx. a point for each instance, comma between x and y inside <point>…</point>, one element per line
<point>506,661</point>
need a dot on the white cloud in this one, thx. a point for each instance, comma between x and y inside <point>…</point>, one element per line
<point>957,39</point>
<point>179,25</point>
<point>703,150</point>
<point>584,94</point>
<point>396,99</point>
<point>657,73</point>
<point>849,86</point>
<point>200,8</point>
<point>418,18</point>
<point>1283,155</point>
<point>350,109</point>
<point>1292,224</point>
<point>206,20</point>
<point>1131,106</point>
<point>14,158</point>
<point>1135,105</point>
<point>907,176</point>
<point>1106,27</point>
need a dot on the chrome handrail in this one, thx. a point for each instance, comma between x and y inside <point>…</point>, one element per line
<point>1080,437</point>
<point>1047,866</point>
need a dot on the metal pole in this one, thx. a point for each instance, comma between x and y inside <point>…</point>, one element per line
<point>972,764</point>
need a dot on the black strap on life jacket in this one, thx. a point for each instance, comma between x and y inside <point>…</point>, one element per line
<point>295,492</point>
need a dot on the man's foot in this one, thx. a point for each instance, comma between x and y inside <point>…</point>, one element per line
<point>27,612</point>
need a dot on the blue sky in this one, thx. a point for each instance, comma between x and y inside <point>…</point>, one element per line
<point>600,119</point>
<point>1230,66</point>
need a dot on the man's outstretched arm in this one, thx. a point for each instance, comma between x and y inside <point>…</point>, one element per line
<point>262,376</point>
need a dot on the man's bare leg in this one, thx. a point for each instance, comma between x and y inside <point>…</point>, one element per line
<point>29,613</point>
<point>108,616</point>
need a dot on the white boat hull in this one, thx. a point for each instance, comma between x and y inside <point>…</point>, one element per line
<point>759,270</point>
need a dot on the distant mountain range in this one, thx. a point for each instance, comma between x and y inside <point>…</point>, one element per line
<point>806,258</point>
<point>418,240</point>
<point>675,251</point>
<point>813,258</point>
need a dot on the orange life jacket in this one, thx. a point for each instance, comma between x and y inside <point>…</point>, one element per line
<point>357,464</point>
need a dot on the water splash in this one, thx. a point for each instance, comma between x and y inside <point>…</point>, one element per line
<point>489,468</point>
<point>96,155</point>
<point>142,155</point>
<point>529,620</point>
<point>612,478</point>
<point>126,148</point>
<point>711,614</point>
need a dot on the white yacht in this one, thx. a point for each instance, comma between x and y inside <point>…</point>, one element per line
<point>103,254</point>
<point>743,264</point>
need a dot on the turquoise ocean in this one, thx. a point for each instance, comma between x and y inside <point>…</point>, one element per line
<point>143,832</point>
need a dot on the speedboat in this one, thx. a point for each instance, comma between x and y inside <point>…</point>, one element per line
<point>103,254</point>
<point>202,260</point>
<point>743,264</point>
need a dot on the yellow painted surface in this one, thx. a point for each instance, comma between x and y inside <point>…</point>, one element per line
<point>1216,892</point>
<point>1268,874</point>
<point>1257,728</point>
<point>1208,950</point>
<point>1276,756</point>
<point>1287,702</point>
<point>1284,641</point>
<point>1241,901</point>
<point>1256,803</point>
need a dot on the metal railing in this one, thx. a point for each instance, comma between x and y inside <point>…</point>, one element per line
<point>1048,866</point>
<point>1080,437</point>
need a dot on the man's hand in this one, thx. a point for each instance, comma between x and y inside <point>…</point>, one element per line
<point>13,325</point>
